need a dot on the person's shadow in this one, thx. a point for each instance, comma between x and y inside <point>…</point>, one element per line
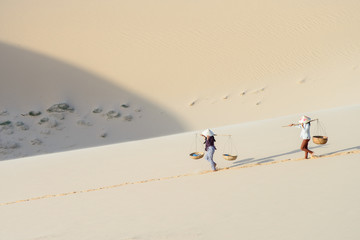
<point>343,150</point>
<point>261,160</point>
<point>271,158</point>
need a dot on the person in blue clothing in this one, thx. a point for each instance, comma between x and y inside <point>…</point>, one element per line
<point>304,124</point>
<point>209,147</point>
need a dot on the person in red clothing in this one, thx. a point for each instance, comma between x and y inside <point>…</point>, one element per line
<point>209,147</point>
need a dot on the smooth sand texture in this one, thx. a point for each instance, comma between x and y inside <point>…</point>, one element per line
<point>143,78</point>
<point>268,192</point>
<point>180,66</point>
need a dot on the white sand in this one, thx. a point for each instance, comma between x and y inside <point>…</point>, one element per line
<point>299,200</point>
<point>166,196</point>
<point>238,67</point>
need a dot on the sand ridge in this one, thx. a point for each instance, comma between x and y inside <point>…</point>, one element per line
<point>180,176</point>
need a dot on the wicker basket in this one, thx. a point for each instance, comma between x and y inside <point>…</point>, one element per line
<point>196,155</point>
<point>229,157</point>
<point>320,139</point>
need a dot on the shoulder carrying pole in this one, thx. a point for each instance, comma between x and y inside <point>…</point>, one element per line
<point>297,124</point>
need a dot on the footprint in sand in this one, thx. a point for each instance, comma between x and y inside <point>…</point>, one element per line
<point>60,108</point>
<point>192,103</point>
<point>113,114</point>
<point>302,81</point>
<point>34,113</point>
<point>256,91</point>
<point>97,110</point>
<point>125,105</point>
<point>43,120</point>
<point>128,118</point>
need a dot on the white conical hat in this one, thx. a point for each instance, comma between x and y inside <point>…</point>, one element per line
<point>304,119</point>
<point>208,132</point>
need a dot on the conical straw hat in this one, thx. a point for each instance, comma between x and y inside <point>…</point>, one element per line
<point>304,119</point>
<point>208,132</point>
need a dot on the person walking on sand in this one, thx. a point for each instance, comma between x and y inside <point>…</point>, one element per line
<point>304,124</point>
<point>209,147</point>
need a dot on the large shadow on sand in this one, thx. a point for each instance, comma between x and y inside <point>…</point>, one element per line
<point>31,80</point>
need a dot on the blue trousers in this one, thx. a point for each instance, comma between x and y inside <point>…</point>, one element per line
<point>209,156</point>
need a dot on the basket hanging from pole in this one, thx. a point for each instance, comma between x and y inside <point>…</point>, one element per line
<point>320,137</point>
<point>196,154</point>
<point>227,156</point>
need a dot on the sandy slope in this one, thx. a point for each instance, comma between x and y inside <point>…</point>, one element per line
<point>171,69</point>
<point>299,200</point>
<point>312,198</point>
<point>254,142</point>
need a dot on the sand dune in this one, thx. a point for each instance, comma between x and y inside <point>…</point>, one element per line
<point>265,186</point>
<point>137,81</point>
<point>176,65</point>
<point>170,54</point>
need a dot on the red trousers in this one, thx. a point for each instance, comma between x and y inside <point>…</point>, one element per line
<point>304,147</point>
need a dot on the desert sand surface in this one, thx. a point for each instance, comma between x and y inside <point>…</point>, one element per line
<point>101,103</point>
